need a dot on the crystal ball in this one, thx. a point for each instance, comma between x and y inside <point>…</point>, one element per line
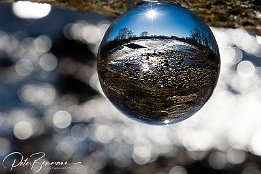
<point>158,63</point>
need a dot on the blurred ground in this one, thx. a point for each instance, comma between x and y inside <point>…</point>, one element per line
<point>217,13</point>
<point>51,102</point>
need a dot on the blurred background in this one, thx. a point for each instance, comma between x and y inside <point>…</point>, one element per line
<point>51,102</point>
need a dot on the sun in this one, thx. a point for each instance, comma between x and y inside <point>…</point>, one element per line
<point>151,14</point>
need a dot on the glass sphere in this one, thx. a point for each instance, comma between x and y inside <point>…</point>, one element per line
<point>158,63</point>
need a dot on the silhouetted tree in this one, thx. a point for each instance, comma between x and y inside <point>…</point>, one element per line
<point>199,37</point>
<point>144,34</point>
<point>125,33</point>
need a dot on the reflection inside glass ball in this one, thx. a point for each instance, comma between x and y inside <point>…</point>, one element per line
<point>158,63</point>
